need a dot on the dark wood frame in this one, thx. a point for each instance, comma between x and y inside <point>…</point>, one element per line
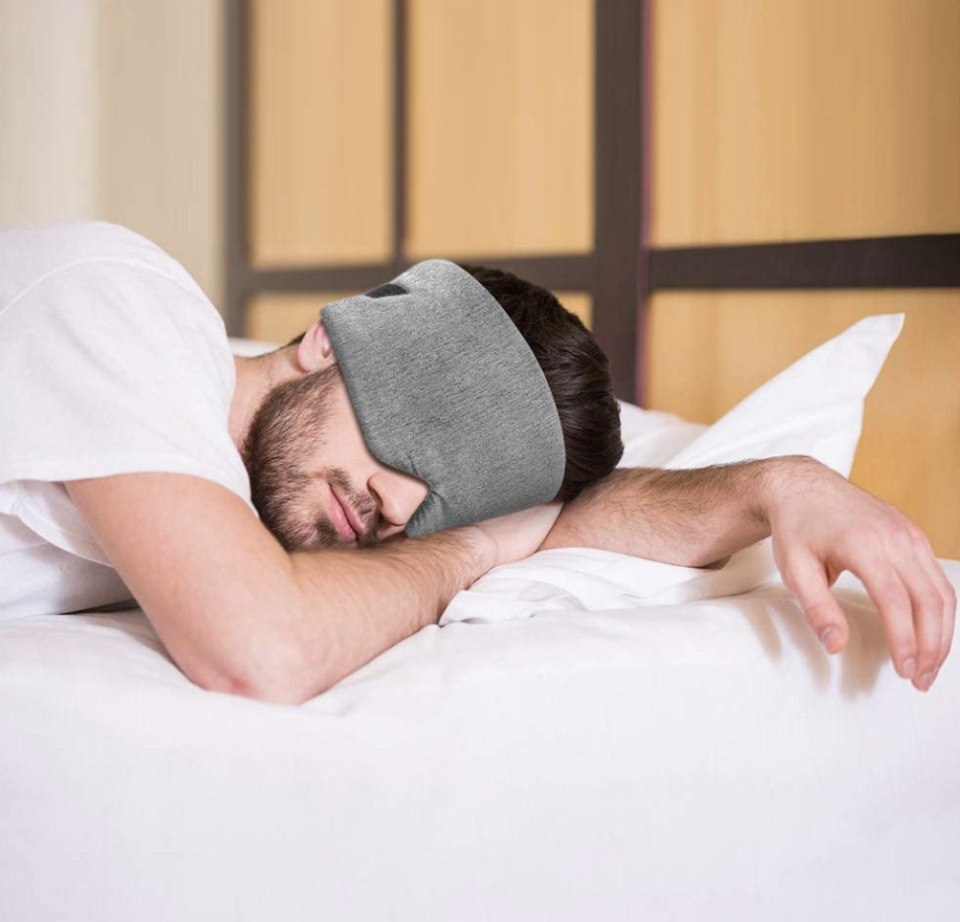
<point>623,270</point>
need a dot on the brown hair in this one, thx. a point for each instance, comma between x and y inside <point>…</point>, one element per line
<point>577,371</point>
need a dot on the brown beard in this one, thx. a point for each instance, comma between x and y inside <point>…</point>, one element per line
<point>289,426</point>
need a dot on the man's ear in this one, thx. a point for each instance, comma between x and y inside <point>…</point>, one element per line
<point>315,350</point>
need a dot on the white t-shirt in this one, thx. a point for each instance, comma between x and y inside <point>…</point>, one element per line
<point>112,360</point>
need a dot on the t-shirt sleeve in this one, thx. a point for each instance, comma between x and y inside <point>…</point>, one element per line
<point>115,367</point>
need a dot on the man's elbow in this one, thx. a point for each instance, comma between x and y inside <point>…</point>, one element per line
<point>270,690</point>
<point>283,680</point>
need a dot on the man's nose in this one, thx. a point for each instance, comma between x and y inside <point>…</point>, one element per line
<point>399,495</point>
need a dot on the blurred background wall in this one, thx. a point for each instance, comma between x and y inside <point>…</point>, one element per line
<point>112,109</point>
<point>786,123</point>
<point>378,133</point>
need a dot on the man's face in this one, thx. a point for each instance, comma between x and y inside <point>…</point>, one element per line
<point>305,449</point>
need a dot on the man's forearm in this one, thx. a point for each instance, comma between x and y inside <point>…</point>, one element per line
<point>357,603</point>
<point>692,518</point>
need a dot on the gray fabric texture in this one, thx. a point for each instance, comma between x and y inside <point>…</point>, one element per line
<point>445,388</point>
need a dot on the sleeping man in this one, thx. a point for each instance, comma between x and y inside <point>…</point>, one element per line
<point>283,519</point>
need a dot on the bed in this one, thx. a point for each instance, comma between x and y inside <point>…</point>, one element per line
<point>585,735</point>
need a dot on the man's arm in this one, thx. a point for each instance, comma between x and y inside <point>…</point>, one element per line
<point>691,518</point>
<point>238,614</point>
<point>821,525</point>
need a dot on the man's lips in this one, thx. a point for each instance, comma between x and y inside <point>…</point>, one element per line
<point>339,517</point>
<point>356,523</point>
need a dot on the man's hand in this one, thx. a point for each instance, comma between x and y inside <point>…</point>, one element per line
<point>822,525</point>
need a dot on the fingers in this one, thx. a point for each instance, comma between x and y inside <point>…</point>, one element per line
<point>915,601</point>
<point>928,564</point>
<point>909,598</point>
<point>885,587</point>
<point>927,614</point>
<point>907,551</point>
<point>807,580</point>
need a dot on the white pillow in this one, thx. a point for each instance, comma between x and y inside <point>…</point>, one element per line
<point>652,437</point>
<point>814,407</point>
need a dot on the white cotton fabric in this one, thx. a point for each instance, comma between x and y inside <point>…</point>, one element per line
<point>112,360</point>
<point>685,762</point>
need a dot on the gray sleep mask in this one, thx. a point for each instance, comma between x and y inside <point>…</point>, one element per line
<point>446,388</point>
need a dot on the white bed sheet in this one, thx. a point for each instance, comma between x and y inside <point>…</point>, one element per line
<point>675,761</point>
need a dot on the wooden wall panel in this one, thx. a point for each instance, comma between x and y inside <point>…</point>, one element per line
<point>706,351</point>
<point>321,181</point>
<point>501,122</point>
<point>579,303</point>
<point>801,119</point>
<point>277,318</point>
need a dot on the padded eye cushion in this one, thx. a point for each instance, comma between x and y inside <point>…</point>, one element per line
<point>445,388</point>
